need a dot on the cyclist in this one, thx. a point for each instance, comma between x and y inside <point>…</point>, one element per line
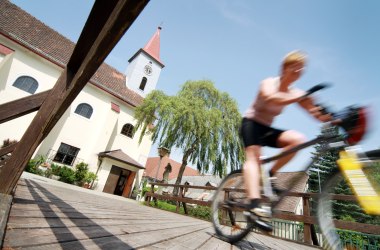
<point>274,94</point>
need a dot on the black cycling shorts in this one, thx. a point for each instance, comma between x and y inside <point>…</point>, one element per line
<point>255,133</point>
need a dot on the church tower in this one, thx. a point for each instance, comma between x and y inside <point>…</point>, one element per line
<point>145,66</point>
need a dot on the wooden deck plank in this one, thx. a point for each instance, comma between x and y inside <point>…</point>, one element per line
<point>214,244</point>
<point>274,243</point>
<point>125,241</point>
<point>62,235</point>
<point>46,216</point>
<point>188,241</point>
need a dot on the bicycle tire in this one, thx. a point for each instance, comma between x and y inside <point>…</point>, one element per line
<point>331,239</point>
<point>229,222</point>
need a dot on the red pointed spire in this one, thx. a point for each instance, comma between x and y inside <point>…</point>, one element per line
<point>153,46</point>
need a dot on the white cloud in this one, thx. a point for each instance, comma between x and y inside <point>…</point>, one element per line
<point>239,12</point>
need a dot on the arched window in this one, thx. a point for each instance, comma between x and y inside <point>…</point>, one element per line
<point>26,83</point>
<point>84,109</point>
<point>128,130</point>
<point>143,83</point>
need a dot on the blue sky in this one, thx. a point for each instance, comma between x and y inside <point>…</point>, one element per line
<point>238,43</point>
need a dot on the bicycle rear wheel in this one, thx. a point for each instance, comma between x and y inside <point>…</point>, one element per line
<point>229,222</point>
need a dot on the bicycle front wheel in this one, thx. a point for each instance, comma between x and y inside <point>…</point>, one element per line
<point>328,219</point>
<point>229,222</point>
<point>331,239</point>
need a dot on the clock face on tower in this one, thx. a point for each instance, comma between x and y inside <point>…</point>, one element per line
<point>148,69</point>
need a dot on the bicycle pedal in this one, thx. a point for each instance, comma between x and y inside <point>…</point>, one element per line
<point>260,222</point>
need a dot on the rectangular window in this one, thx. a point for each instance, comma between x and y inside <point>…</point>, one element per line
<point>66,154</point>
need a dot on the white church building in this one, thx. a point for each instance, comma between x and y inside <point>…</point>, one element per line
<point>98,126</point>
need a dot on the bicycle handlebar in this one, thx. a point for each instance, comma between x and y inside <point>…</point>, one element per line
<point>316,88</point>
<point>373,154</point>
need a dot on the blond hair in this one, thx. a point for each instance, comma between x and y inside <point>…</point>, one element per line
<point>294,56</point>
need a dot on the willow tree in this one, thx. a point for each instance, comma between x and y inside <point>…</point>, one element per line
<point>200,120</point>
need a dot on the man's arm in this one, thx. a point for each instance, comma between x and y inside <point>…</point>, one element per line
<point>307,103</point>
<point>272,96</point>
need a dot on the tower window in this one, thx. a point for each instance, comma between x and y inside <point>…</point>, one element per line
<point>26,83</point>
<point>84,110</point>
<point>143,83</point>
<point>128,130</point>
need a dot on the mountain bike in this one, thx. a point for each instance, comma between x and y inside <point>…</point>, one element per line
<point>229,210</point>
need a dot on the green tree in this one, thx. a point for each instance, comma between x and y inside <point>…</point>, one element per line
<point>200,120</point>
<point>326,164</point>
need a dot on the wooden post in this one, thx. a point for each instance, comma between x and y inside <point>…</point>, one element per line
<point>154,198</point>
<point>178,204</point>
<point>224,211</point>
<point>147,200</point>
<point>307,226</point>
<point>183,203</point>
<point>5,207</point>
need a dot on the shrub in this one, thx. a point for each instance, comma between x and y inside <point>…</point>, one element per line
<point>148,189</point>
<point>67,175</point>
<point>32,166</point>
<point>166,206</point>
<point>81,170</point>
<point>90,177</point>
<point>48,173</point>
<point>55,169</point>
<point>201,212</point>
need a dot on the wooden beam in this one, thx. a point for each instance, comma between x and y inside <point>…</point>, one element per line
<point>14,109</point>
<point>294,217</point>
<point>186,186</point>
<point>307,226</point>
<point>8,149</point>
<point>359,227</point>
<point>5,207</point>
<point>95,43</point>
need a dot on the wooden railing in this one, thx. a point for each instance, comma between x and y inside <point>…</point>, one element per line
<point>306,218</point>
<point>180,199</point>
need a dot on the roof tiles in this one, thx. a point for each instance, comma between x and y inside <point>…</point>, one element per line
<point>26,30</point>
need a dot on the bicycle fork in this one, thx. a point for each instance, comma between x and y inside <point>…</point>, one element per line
<point>352,170</point>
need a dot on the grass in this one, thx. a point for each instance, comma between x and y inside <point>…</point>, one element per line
<point>200,212</point>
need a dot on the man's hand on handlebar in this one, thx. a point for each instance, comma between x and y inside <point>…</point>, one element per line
<point>320,113</point>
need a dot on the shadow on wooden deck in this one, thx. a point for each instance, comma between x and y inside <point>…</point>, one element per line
<point>48,215</point>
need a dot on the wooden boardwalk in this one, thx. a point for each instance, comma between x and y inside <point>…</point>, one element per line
<point>51,215</point>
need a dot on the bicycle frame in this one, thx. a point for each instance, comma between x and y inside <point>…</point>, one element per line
<point>330,142</point>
